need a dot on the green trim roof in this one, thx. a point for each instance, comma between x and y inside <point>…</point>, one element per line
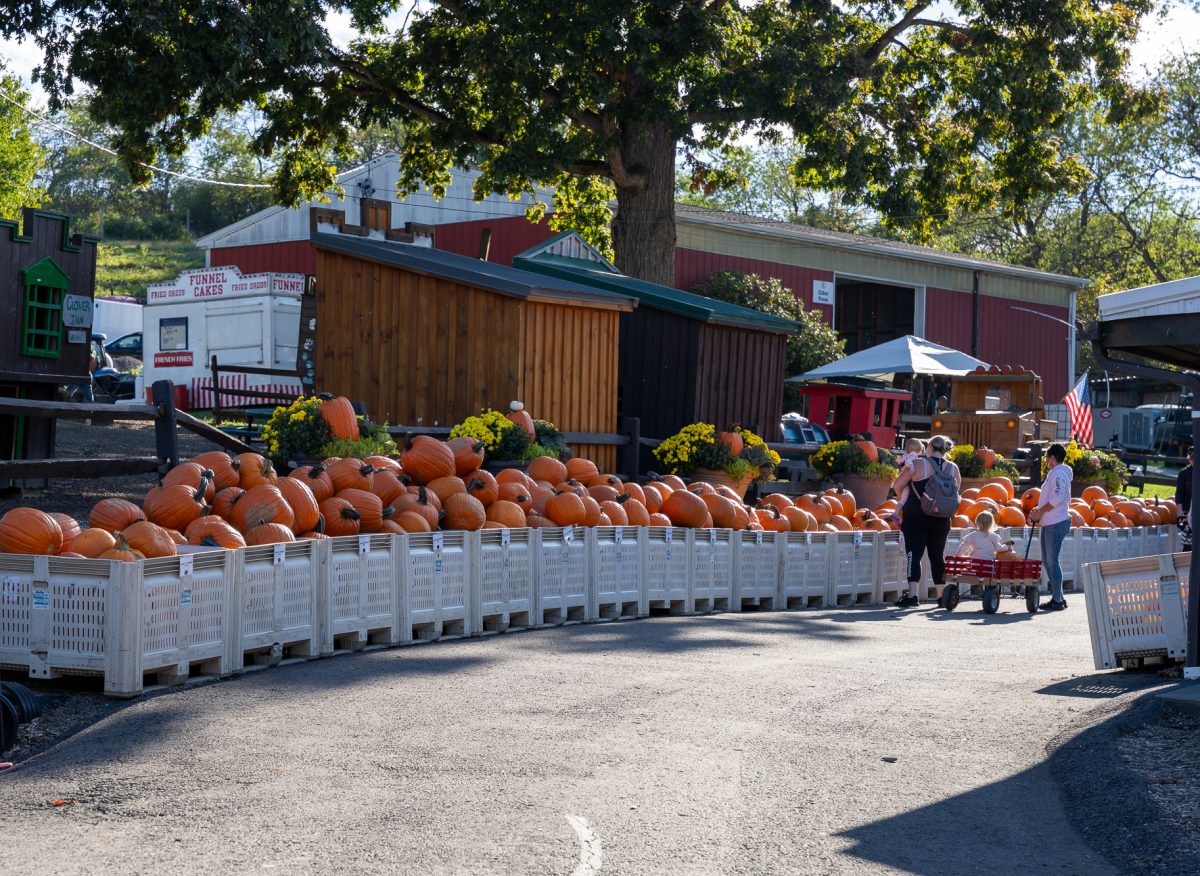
<point>651,295</point>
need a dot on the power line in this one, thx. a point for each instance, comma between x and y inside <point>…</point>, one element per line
<point>190,177</point>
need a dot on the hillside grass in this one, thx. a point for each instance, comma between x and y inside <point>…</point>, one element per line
<point>125,267</point>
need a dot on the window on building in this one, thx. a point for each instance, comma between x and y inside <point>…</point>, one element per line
<point>998,398</point>
<point>42,326</point>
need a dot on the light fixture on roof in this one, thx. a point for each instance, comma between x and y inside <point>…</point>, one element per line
<point>365,187</point>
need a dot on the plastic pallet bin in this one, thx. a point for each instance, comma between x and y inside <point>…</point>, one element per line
<point>63,616</point>
<point>711,557</point>
<point>1129,542</point>
<point>562,576</point>
<point>503,580</point>
<point>853,565</point>
<point>756,569</point>
<point>186,617</point>
<point>892,568</point>
<point>362,596</point>
<point>1161,539</point>
<point>667,565</point>
<point>434,575</point>
<point>804,582</point>
<point>1136,609</point>
<point>617,577</point>
<point>278,588</point>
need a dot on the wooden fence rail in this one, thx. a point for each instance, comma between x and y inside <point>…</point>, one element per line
<point>271,397</point>
<point>167,421</point>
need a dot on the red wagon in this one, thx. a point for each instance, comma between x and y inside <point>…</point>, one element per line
<point>991,575</point>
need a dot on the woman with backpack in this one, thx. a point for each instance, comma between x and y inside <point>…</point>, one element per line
<point>933,484</point>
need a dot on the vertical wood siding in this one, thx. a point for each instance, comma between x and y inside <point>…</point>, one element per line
<point>739,376</point>
<point>568,371</point>
<point>415,349</point>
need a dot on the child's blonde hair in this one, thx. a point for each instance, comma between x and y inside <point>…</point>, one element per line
<point>984,521</point>
<point>913,445</point>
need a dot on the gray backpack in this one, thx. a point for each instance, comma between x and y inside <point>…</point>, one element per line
<point>940,497</point>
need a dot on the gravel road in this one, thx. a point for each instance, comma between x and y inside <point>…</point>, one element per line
<point>840,741</point>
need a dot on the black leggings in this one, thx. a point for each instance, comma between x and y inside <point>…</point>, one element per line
<point>923,534</point>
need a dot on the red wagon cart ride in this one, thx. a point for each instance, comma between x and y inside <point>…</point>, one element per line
<point>990,576</point>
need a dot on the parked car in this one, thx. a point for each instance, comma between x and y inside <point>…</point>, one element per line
<point>126,345</point>
<point>798,430</point>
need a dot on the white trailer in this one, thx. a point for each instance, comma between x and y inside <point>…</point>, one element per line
<point>116,316</point>
<point>242,319</point>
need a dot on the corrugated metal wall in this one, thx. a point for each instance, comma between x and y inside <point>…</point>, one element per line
<point>568,371</point>
<point>510,236</point>
<point>692,266</point>
<point>739,379</point>
<point>288,256</point>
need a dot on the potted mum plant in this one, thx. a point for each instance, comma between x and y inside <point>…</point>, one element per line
<point>978,465</point>
<point>732,459</point>
<point>511,440</point>
<point>306,430</point>
<point>859,466</point>
<point>1091,467</point>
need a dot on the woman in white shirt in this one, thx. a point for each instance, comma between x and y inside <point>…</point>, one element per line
<point>1052,514</point>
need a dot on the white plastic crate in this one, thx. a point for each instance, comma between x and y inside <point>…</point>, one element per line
<point>892,569</point>
<point>1136,609</point>
<point>756,569</point>
<point>853,565</point>
<point>278,591</point>
<point>617,577</point>
<point>503,580</point>
<point>1129,542</point>
<point>1161,539</point>
<point>187,608</point>
<point>667,564</point>
<point>362,596</point>
<point>63,616</point>
<point>711,576</point>
<point>804,582</point>
<point>435,584</point>
<point>562,576</point>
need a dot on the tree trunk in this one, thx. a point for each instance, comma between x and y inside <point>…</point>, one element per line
<point>644,227</point>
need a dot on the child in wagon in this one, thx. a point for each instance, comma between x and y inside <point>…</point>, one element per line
<point>981,543</point>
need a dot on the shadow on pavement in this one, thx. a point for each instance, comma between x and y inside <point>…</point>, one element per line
<point>1016,825</point>
<point>1103,685</point>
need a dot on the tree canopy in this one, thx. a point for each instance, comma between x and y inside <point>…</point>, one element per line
<point>20,155</point>
<point>897,103</point>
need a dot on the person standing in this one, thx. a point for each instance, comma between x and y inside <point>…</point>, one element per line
<point>1183,499</point>
<point>925,531</point>
<point>1052,513</point>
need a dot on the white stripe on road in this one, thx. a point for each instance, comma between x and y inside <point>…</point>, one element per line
<point>589,847</point>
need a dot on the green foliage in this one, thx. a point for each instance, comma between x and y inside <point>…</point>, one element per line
<point>548,437</point>
<point>533,451</point>
<point>20,155</point>
<point>695,446</point>
<point>1093,464</point>
<point>901,111</point>
<point>816,343</point>
<point>846,457</point>
<point>296,431</point>
<point>127,267</point>
<point>376,442</point>
<point>514,443</point>
<point>969,464</point>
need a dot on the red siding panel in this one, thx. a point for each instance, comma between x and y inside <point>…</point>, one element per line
<point>692,266</point>
<point>284,257</point>
<point>948,318</point>
<point>511,235</point>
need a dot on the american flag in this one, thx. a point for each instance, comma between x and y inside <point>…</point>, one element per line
<point>1079,405</point>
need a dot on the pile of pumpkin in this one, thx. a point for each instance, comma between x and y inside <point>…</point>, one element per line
<point>222,501</point>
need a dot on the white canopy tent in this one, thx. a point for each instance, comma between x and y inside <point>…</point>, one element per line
<point>906,355</point>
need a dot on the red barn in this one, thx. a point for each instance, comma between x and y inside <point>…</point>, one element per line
<point>872,290</point>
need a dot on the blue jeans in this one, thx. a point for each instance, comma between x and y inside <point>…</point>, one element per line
<point>1053,537</point>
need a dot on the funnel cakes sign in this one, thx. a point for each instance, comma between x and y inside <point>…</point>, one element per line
<point>207,284</point>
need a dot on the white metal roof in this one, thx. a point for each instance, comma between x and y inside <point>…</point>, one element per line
<point>277,223</point>
<point>1161,299</point>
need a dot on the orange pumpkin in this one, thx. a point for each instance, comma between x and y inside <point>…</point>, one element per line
<point>468,455</point>
<point>674,482</point>
<point>844,499</point>
<point>483,487</point>
<point>517,414</point>
<point>636,512</point>
<point>686,509</point>
<point>733,440</point>
<point>1007,516</point>
<point>547,468</point>
<point>269,533</point>
<point>173,507</point>
<point>349,474</point>
<point>869,448</point>
<point>464,511</point>
<point>305,511</point>
<point>1030,498</point>
<point>29,531</point>
<point>960,521</point>
<point>660,520</point>
<point>987,456</point>
<point>388,487</point>
<point>383,463</point>
<point>723,511</point>
<point>445,487</point>
<point>339,516</point>
<point>69,526</point>
<point>114,514</point>
<point>223,467</point>
<point>615,512</point>
<point>996,492</point>
<point>1006,483</point>
<point>1076,518</point>
<point>149,538</point>
<point>427,459</point>
<point>581,469</point>
<point>370,510</point>
<point>191,474</point>
<point>422,503</point>
<point>566,509</point>
<point>840,523</point>
<point>224,500</point>
<point>255,469</point>
<point>212,531</point>
<point>121,552</point>
<point>317,479</point>
<point>818,506</point>
<point>507,514</point>
<point>593,511</point>
<point>93,542</point>
<point>338,412</point>
<point>261,504</point>
<point>410,521</point>
<point>1093,493</point>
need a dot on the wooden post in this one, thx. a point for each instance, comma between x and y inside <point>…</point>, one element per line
<point>633,450</point>
<point>485,244</point>
<point>216,391</point>
<point>165,437</point>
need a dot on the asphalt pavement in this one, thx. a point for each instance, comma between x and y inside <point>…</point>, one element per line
<point>864,740</point>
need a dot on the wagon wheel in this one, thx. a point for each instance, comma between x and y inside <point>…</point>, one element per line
<point>950,597</point>
<point>991,599</point>
<point>1031,598</point>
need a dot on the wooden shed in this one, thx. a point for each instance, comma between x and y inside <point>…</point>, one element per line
<point>684,358</point>
<point>425,337</point>
<point>47,282</point>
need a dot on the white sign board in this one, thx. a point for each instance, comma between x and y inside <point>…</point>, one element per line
<point>823,292</point>
<point>206,284</point>
<point>77,311</point>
